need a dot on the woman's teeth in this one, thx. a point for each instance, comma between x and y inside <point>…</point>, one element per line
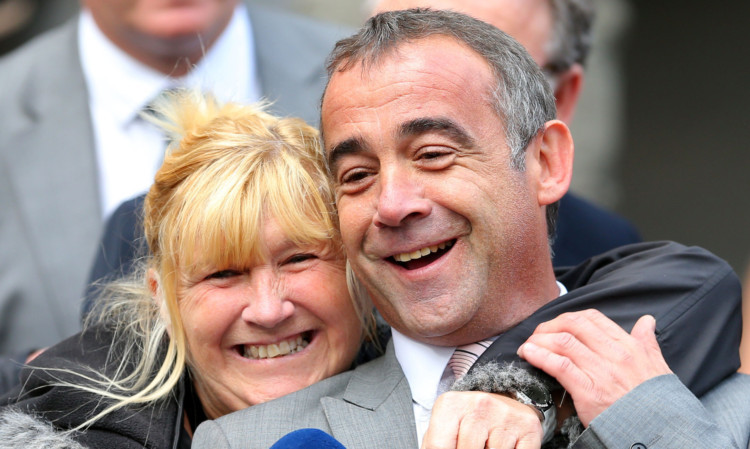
<point>276,349</point>
<point>405,257</point>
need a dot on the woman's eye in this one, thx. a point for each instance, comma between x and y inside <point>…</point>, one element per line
<point>223,274</point>
<point>299,258</point>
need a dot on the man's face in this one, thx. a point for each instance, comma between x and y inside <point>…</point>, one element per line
<point>161,26</point>
<point>446,236</point>
<point>527,21</point>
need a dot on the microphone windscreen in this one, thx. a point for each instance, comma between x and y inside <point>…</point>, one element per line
<point>307,439</point>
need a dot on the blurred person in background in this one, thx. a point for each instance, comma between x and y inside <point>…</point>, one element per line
<point>73,143</point>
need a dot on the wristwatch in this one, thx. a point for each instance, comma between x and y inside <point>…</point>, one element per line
<point>540,399</point>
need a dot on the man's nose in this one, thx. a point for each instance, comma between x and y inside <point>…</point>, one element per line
<point>401,198</point>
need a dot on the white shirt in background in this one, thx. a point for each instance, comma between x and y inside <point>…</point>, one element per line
<point>129,149</point>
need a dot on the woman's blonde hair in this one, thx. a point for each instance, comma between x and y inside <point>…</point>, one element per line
<point>228,168</point>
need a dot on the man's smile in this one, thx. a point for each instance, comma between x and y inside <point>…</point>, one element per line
<point>421,257</point>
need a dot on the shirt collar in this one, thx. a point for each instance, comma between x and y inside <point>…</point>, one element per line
<point>124,86</point>
<point>423,365</point>
<point>229,69</point>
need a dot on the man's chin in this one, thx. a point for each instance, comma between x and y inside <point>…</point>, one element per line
<point>435,332</point>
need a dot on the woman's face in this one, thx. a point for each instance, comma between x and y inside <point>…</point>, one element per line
<point>279,327</point>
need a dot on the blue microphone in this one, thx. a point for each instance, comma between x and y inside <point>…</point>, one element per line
<point>307,439</point>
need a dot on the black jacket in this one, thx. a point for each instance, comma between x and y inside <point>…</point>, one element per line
<point>694,296</point>
<point>155,426</point>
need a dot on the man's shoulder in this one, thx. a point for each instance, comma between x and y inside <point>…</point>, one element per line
<point>376,389</point>
<point>305,31</point>
<point>271,420</point>
<point>44,65</point>
<point>306,401</point>
<point>16,66</point>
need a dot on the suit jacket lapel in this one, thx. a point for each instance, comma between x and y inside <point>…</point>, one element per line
<point>55,179</point>
<point>290,57</point>
<point>376,409</point>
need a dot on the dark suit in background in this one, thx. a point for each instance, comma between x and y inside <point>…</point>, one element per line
<point>585,230</point>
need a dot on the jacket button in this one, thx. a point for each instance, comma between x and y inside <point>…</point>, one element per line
<point>638,446</point>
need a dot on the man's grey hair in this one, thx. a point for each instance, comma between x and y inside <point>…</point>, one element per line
<point>571,37</point>
<point>521,96</point>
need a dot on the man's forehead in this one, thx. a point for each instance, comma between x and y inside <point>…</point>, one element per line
<point>427,56</point>
<point>411,71</point>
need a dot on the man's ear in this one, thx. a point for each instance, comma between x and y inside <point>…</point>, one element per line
<point>157,295</point>
<point>568,91</point>
<point>553,158</point>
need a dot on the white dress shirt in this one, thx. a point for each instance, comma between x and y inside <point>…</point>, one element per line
<point>423,365</point>
<point>129,149</point>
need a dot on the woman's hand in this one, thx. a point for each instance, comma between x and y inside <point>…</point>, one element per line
<point>594,359</point>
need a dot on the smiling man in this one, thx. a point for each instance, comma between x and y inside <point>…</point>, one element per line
<point>420,160</point>
<point>441,139</point>
<point>558,34</point>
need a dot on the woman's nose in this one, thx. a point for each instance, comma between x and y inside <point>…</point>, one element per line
<point>267,305</point>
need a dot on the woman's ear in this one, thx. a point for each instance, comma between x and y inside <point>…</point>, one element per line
<point>554,156</point>
<point>157,295</point>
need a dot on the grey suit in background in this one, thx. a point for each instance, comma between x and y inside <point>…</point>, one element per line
<point>50,218</point>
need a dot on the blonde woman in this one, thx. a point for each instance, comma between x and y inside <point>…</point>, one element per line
<point>243,299</point>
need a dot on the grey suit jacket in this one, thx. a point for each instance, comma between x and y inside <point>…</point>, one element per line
<point>690,291</point>
<point>371,407</point>
<point>662,414</point>
<point>50,217</point>
<point>365,408</point>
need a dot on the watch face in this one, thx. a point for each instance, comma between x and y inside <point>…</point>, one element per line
<point>536,395</point>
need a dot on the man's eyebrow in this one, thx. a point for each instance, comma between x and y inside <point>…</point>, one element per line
<point>440,124</point>
<point>351,145</point>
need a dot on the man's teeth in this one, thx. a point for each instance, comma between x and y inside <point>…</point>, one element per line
<point>276,349</point>
<point>405,257</point>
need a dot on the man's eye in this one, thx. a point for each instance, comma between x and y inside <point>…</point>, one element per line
<point>435,157</point>
<point>353,176</point>
<point>433,154</point>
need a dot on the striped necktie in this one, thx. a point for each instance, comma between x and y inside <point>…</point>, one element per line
<point>465,356</point>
